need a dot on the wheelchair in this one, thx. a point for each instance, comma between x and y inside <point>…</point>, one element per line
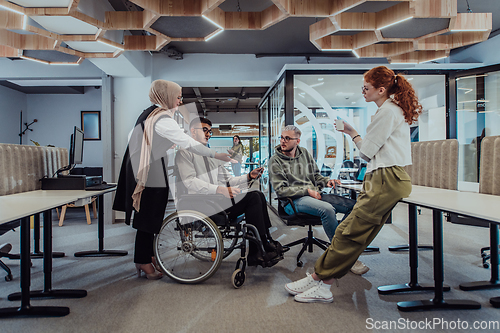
<point>193,241</point>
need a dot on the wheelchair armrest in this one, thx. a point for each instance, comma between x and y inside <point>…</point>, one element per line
<point>210,199</point>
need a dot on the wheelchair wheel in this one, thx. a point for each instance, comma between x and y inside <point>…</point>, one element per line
<point>189,247</point>
<point>238,278</point>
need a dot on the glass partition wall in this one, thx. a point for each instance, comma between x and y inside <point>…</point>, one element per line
<point>314,99</point>
<point>478,115</point>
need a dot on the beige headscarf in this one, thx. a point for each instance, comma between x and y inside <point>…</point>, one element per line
<point>162,93</point>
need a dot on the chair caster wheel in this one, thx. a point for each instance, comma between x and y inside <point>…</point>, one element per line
<point>300,263</point>
<point>486,265</point>
<point>238,278</point>
<point>8,277</point>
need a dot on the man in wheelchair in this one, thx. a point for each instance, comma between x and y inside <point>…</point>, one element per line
<point>205,175</point>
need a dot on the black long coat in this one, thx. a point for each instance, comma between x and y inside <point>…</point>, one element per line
<point>154,199</point>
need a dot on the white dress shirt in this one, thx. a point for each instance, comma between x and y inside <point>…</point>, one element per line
<point>387,142</point>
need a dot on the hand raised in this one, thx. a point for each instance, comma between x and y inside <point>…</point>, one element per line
<point>256,173</point>
<point>224,157</point>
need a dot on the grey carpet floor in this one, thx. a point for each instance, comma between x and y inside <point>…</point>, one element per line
<point>118,301</point>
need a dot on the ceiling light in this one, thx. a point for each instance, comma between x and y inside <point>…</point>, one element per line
<point>317,84</point>
<point>391,24</point>
<point>34,59</point>
<point>109,44</point>
<point>12,10</point>
<point>217,25</point>
<point>433,59</point>
<point>64,63</point>
<point>344,50</point>
<point>320,79</point>
<point>468,30</point>
<point>213,35</point>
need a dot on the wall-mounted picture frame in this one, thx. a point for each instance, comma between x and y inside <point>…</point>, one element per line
<point>91,125</point>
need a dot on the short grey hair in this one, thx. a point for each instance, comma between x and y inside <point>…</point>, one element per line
<point>293,128</point>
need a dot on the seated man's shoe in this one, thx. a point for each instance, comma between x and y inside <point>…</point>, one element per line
<point>320,293</point>
<point>271,259</point>
<point>299,286</point>
<point>254,259</point>
<point>359,268</point>
<point>276,246</point>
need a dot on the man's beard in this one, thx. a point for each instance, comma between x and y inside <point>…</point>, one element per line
<point>287,150</point>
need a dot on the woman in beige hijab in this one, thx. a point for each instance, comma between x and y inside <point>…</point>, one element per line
<point>142,184</point>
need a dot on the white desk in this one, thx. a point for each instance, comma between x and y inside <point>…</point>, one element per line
<point>474,205</point>
<point>22,206</point>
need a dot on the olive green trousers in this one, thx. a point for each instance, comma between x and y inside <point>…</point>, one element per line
<point>382,189</point>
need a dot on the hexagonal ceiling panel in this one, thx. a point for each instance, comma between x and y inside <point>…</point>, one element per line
<point>418,30</point>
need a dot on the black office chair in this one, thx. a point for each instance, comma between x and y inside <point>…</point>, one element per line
<point>5,248</point>
<point>486,256</point>
<point>4,252</point>
<point>303,220</point>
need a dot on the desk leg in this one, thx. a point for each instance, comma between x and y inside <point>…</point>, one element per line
<point>100,235</point>
<point>26,309</point>
<point>47,291</point>
<point>37,254</point>
<point>413,251</point>
<point>493,282</point>
<point>438,302</point>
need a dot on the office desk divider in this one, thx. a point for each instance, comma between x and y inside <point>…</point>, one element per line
<point>489,183</point>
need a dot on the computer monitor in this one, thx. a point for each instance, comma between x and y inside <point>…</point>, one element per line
<point>76,147</point>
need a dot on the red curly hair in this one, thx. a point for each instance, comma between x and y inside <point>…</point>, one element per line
<point>399,88</point>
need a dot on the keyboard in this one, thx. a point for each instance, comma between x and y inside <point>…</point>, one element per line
<point>100,187</point>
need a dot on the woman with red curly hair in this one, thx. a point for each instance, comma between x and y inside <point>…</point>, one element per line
<point>386,146</point>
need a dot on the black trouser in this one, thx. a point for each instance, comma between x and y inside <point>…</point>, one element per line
<point>254,206</point>
<point>143,247</point>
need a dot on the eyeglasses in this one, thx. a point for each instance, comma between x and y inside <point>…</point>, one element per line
<point>363,89</point>
<point>206,130</point>
<point>180,98</point>
<point>286,138</point>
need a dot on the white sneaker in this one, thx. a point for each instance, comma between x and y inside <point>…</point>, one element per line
<point>359,268</point>
<point>299,286</point>
<point>320,293</point>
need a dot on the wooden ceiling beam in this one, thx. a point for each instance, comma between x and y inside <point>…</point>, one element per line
<point>337,43</point>
<point>271,16</point>
<point>364,38</point>
<point>140,43</point>
<point>448,42</point>
<point>209,5</point>
<point>309,8</point>
<point>473,21</point>
<point>11,20</point>
<point>321,29</point>
<point>355,21</point>
<point>434,8</point>
<point>217,16</point>
<point>12,6</point>
<point>242,21</point>
<point>394,14</point>
<point>419,57</point>
<point>25,42</point>
<point>125,20</point>
<point>9,52</point>
<point>73,5</point>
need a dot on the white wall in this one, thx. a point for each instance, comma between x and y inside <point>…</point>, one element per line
<point>11,105</point>
<point>58,114</point>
